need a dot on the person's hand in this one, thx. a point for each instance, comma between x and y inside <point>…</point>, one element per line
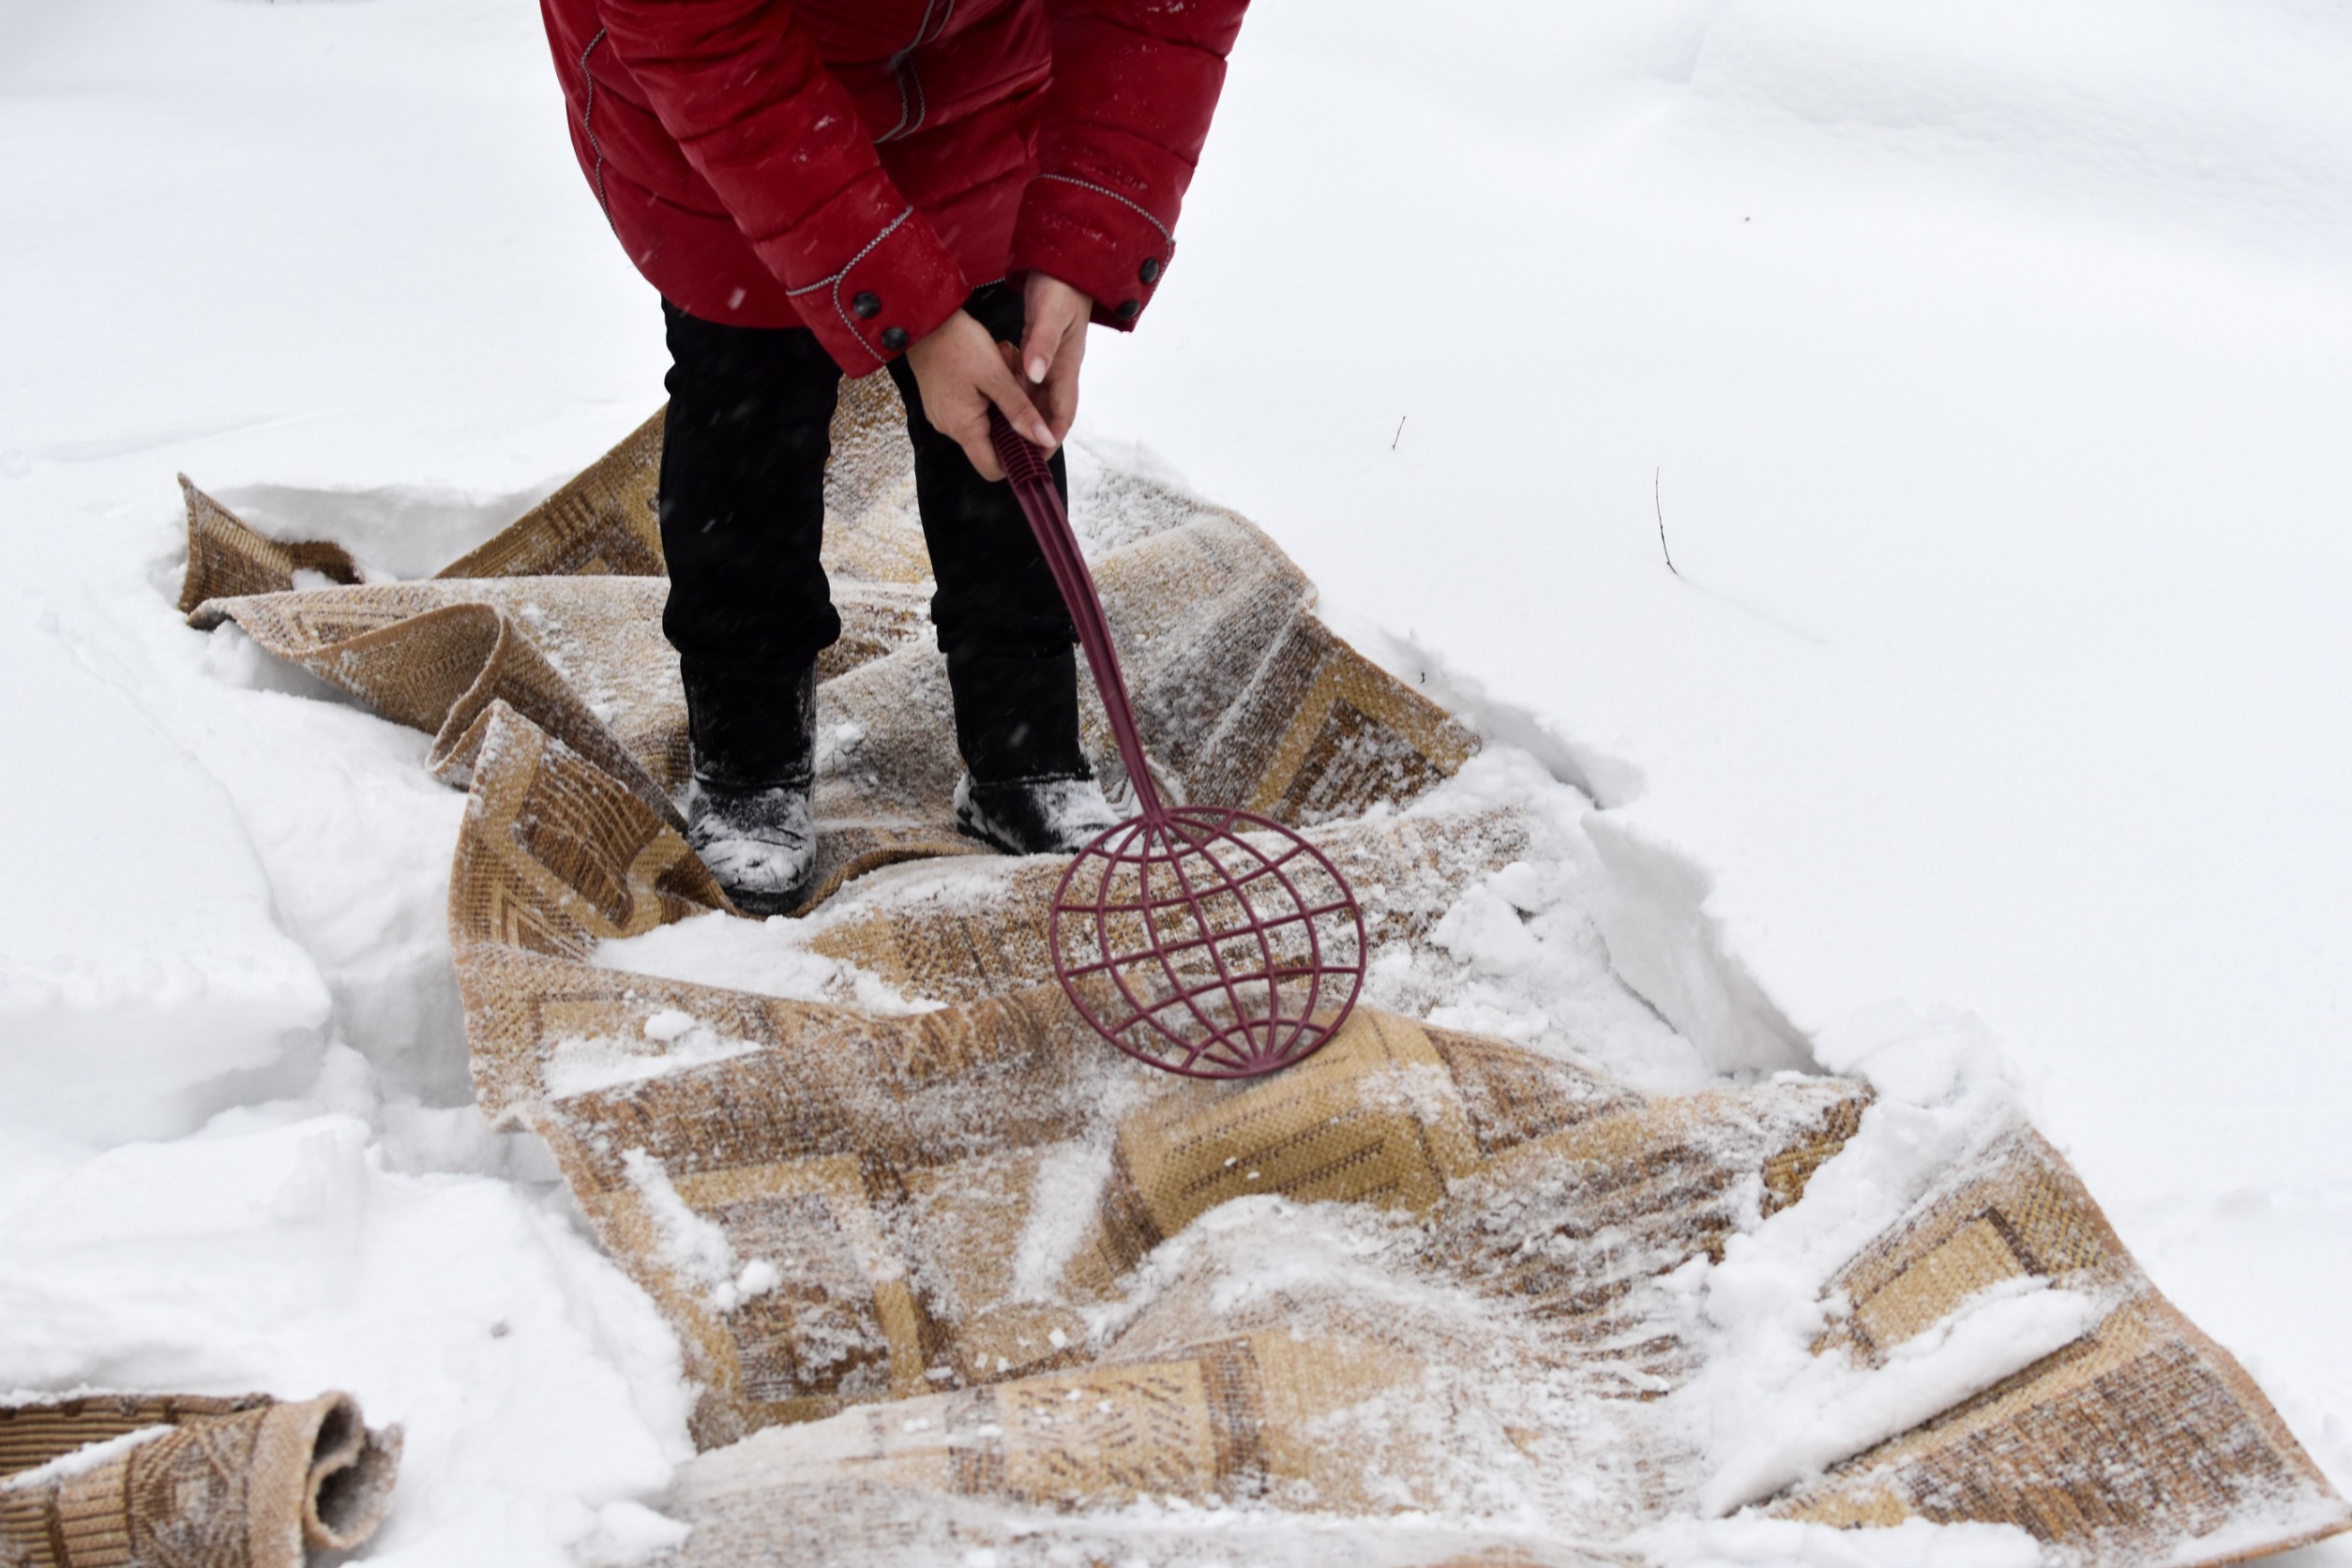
<point>961,370</point>
<point>1053,346</point>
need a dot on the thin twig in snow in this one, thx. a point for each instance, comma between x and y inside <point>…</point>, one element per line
<point>1657,500</point>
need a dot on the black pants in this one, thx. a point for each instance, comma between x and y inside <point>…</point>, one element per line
<point>742,506</point>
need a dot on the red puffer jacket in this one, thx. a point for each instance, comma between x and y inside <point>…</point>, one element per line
<point>859,166</point>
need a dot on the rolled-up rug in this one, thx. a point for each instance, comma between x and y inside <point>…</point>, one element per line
<point>142,1480</point>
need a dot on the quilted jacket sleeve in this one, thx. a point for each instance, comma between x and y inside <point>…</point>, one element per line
<point>739,85</point>
<point>1135,83</point>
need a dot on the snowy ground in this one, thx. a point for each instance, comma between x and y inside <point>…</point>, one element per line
<point>1988,365</point>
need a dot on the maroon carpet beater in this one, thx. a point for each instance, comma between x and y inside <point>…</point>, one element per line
<point>1203,940</point>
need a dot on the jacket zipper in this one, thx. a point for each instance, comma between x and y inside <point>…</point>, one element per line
<point>588,124</point>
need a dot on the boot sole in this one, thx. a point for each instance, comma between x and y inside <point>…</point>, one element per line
<point>765,904</point>
<point>1000,847</point>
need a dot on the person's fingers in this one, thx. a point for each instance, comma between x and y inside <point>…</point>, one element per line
<point>1011,354</point>
<point>983,461</point>
<point>971,434</point>
<point>1038,346</point>
<point>1060,393</point>
<point>1013,398</point>
<point>962,416</point>
<point>968,424</point>
<point>1041,340</point>
<point>1052,347</point>
<point>1056,396</point>
<point>1060,399</point>
<point>1057,315</point>
<point>962,372</point>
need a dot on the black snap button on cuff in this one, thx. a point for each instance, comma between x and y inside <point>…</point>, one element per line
<point>1128,309</point>
<point>894,337</point>
<point>1150,270</point>
<point>866,307</point>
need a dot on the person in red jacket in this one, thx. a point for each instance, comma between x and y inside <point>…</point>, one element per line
<point>951,191</point>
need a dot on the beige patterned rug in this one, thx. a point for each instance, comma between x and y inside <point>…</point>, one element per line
<point>959,1283</point>
<point>149,1481</point>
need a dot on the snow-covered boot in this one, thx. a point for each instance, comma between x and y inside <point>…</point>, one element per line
<point>748,807</point>
<point>1029,790</point>
<point>1032,816</point>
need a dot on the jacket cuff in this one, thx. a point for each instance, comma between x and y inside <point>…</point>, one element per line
<point>1107,246</point>
<point>896,288</point>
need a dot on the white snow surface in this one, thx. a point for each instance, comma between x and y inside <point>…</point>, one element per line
<point>1985,365</point>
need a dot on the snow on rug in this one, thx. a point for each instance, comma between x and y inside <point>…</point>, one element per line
<point>108,1482</point>
<point>1506,1273</point>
